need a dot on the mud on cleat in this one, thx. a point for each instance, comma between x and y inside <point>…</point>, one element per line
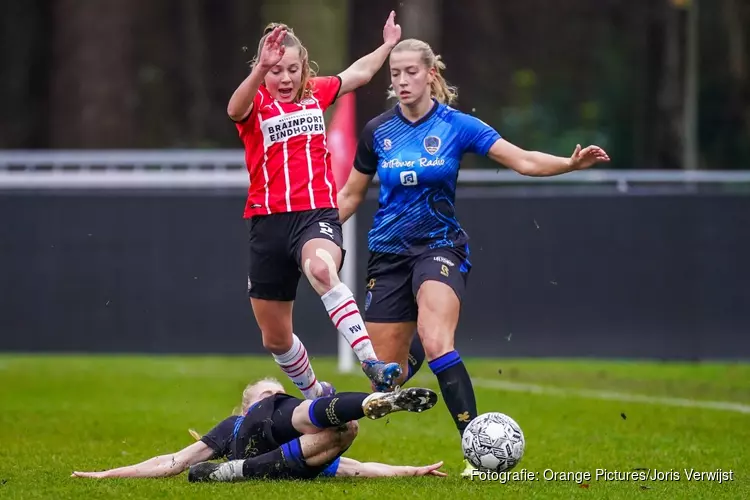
<point>224,472</point>
<point>327,389</point>
<point>383,376</point>
<point>413,399</point>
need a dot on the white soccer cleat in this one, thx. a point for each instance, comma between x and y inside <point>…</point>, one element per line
<point>414,399</point>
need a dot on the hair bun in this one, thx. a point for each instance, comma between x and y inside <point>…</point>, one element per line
<point>272,26</point>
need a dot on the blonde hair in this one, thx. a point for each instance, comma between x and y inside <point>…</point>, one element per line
<point>250,394</point>
<point>439,88</point>
<point>291,40</point>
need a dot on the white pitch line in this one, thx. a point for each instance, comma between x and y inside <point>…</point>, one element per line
<point>610,395</point>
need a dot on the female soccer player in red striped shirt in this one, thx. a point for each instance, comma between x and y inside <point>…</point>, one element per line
<point>292,212</point>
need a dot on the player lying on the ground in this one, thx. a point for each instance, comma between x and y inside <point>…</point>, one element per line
<point>278,436</point>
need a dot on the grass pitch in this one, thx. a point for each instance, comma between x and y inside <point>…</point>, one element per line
<point>65,413</point>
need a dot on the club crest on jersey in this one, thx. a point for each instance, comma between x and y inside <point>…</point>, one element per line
<point>387,144</point>
<point>431,144</point>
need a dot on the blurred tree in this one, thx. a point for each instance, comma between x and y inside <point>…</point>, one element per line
<point>24,72</point>
<point>321,29</point>
<point>93,91</point>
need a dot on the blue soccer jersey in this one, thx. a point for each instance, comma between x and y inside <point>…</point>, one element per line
<point>417,164</point>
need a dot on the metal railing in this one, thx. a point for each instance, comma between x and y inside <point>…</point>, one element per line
<point>225,168</point>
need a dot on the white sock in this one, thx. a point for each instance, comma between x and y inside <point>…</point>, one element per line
<point>297,367</point>
<point>343,310</point>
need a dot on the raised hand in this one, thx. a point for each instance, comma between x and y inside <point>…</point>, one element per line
<point>587,157</point>
<point>273,49</point>
<point>391,30</point>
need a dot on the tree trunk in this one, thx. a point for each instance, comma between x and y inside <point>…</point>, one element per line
<point>93,78</point>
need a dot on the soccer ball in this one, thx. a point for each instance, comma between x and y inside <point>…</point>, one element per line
<point>493,442</point>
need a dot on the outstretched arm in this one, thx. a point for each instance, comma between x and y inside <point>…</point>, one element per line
<point>350,468</point>
<point>161,466</point>
<point>536,164</point>
<point>352,194</point>
<point>361,72</point>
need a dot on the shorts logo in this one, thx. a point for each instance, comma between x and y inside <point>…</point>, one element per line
<point>409,178</point>
<point>368,299</point>
<point>444,270</point>
<point>442,259</point>
<point>249,284</point>
<point>371,284</point>
<point>387,144</point>
<point>431,144</point>
<point>325,228</point>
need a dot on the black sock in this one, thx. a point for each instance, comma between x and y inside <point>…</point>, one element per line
<point>270,465</point>
<point>333,411</point>
<point>286,462</point>
<point>416,358</point>
<point>455,385</point>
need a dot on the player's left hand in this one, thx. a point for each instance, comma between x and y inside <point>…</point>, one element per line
<point>391,31</point>
<point>587,157</point>
<point>430,470</point>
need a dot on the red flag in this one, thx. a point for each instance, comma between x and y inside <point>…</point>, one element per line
<point>342,138</point>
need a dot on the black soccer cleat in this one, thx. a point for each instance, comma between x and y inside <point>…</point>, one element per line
<point>414,399</point>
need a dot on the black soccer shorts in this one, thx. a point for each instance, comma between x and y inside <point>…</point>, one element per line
<point>393,281</point>
<point>275,244</point>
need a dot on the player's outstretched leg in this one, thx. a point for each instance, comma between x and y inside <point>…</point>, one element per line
<point>347,406</point>
<point>303,458</point>
<point>320,260</point>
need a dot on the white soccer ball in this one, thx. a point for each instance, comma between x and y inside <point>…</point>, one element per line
<point>493,442</point>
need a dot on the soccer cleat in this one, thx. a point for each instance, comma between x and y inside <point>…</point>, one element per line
<point>224,472</point>
<point>414,399</point>
<point>327,390</point>
<point>382,375</point>
<point>468,469</point>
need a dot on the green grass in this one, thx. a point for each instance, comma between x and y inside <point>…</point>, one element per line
<point>59,414</point>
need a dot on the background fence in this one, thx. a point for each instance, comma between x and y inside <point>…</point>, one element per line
<point>115,251</point>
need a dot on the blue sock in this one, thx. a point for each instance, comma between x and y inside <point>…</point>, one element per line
<point>456,388</point>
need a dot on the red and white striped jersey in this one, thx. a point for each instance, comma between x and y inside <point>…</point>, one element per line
<point>286,152</point>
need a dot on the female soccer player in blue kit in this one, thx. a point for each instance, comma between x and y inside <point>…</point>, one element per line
<point>418,262</point>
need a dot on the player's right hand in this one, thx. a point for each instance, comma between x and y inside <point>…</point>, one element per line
<point>430,470</point>
<point>273,49</point>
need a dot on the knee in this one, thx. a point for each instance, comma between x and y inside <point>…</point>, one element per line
<point>277,344</point>
<point>347,435</point>
<point>435,341</point>
<point>318,271</point>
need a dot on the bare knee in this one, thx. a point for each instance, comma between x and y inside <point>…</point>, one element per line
<point>346,435</point>
<point>277,343</point>
<point>318,271</point>
<point>436,341</point>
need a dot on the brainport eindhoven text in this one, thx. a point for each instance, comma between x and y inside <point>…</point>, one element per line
<point>715,476</point>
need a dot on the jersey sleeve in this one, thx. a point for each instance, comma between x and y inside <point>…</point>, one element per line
<point>476,136</point>
<point>366,159</point>
<point>220,437</point>
<point>326,89</point>
<point>245,126</point>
